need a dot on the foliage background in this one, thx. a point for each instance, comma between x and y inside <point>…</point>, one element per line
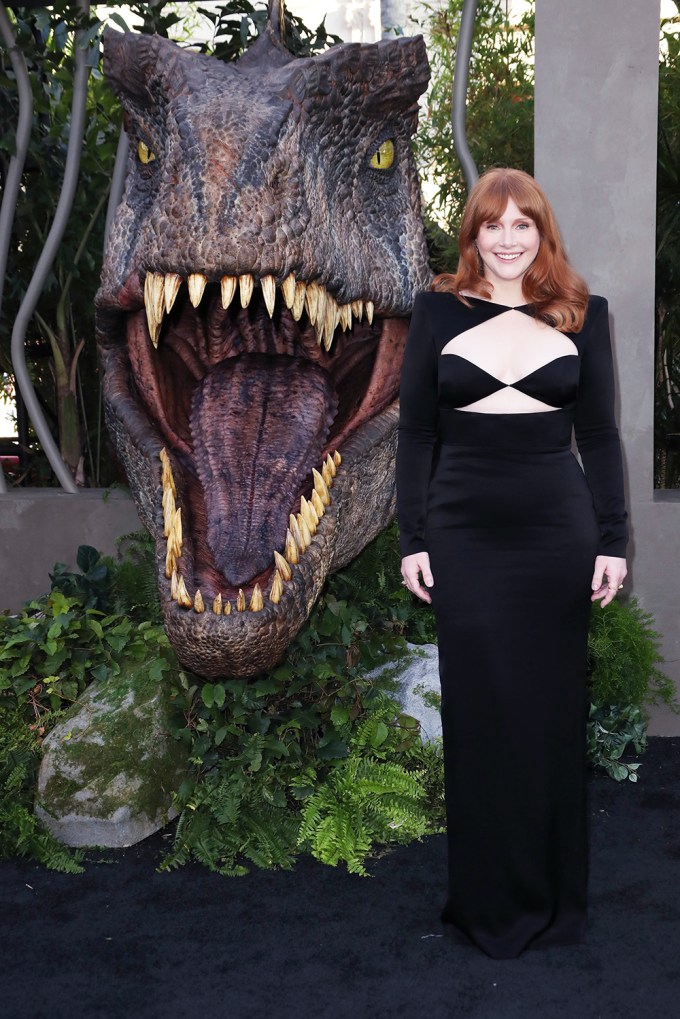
<point>667,376</point>
<point>60,343</point>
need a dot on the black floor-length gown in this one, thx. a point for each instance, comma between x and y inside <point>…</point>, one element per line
<point>512,526</point>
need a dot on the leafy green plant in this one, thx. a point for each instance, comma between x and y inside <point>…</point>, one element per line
<point>612,731</point>
<point>21,834</point>
<point>56,647</point>
<point>92,586</point>
<point>624,656</point>
<point>667,359</point>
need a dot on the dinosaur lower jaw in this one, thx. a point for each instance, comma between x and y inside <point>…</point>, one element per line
<point>271,442</point>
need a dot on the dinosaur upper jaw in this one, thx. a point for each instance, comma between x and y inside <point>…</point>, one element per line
<point>260,433</point>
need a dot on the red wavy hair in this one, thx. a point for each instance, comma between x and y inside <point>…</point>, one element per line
<point>558,293</point>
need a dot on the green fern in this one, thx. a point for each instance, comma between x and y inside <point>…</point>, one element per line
<point>228,819</point>
<point>363,802</point>
<point>21,834</point>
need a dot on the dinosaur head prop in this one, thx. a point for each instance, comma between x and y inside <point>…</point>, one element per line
<point>251,320</point>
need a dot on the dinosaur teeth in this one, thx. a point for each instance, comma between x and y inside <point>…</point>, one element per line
<point>317,504</point>
<point>153,319</point>
<point>276,591</point>
<point>305,532</point>
<point>197,284</point>
<point>288,289</point>
<point>217,604</point>
<point>320,321</point>
<point>199,605</point>
<point>345,317</point>
<point>337,459</point>
<point>241,601</point>
<point>268,284</point>
<point>228,289</point>
<point>227,608</point>
<point>331,321</point>
<point>174,585</point>
<point>369,312</point>
<point>183,598</point>
<point>291,549</point>
<point>171,286</point>
<point>311,300</point>
<point>320,487</point>
<point>357,309</point>
<point>245,283</point>
<point>308,513</point>
<point>168,511</point>
<point>167,478</point>
<point>256,600</point>
<point>296,532</point>
<point>282,566</point>
<point>332,467</point>
<point>299,300</point>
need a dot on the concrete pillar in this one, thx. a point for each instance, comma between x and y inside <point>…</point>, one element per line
<point>597,68</point>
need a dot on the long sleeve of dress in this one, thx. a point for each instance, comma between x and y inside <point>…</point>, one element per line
<point>596,433</point>
<point>417,429</point>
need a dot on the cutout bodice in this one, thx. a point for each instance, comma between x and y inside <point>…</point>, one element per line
<point>509,364</point>
<point>488,377</point>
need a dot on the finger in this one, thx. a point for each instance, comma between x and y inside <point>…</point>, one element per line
<point>597,581</point>
<point>610,593</point>
<point>422,594</point>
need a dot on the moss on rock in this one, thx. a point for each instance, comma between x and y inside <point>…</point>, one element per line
<point>110,767</point>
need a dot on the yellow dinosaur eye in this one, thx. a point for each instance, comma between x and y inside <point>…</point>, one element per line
<point>383,157</point>
<point>144,152</point>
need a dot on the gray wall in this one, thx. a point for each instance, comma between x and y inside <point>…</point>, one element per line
<point>39,527</point>
<point>596,116</point>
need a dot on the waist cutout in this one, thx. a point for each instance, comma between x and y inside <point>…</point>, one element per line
<point>542,431</point>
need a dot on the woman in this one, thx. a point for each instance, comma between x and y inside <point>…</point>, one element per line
<point>511,542</point>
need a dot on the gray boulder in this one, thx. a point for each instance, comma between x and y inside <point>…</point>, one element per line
<point>418,690</point>
<point>110,767</point>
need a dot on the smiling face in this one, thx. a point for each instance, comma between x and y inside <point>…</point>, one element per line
<point>507,246</point>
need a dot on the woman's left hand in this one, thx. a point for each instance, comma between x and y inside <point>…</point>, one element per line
<point>608,577</point>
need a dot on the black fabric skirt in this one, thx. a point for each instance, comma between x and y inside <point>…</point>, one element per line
<point>512,538</point>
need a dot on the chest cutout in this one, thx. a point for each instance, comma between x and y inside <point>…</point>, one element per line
<point>510,349</point>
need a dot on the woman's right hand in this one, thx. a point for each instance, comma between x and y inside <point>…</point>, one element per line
<point>412,566</point>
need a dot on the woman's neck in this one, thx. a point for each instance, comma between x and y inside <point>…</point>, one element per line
<point>509,293</point>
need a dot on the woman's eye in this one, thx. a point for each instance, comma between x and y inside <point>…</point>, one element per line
<point>144,152</point>
<point>383,157</point>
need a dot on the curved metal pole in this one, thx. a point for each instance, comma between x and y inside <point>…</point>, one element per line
<point>16,163</point>
<point>461,72</point>
<point>117,182</point>
<point>42,269</point>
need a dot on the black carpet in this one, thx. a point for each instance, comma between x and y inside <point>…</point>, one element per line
<point>122,940</point>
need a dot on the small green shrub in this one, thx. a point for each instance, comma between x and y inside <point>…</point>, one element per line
<point>611,731</point>
<point>21,834</point>
<point>624,654</point>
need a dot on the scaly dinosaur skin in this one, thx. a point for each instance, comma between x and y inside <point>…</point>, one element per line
<point>251,320</point>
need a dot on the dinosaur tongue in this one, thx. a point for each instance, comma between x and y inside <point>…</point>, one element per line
<point>259,425</point>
